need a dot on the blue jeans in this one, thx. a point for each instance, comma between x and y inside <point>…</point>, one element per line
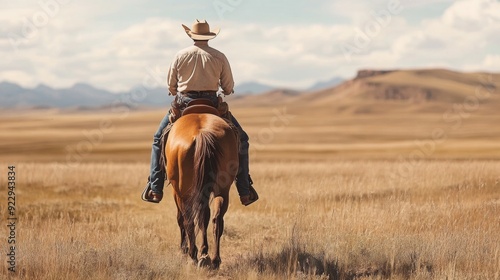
<point>157,174</point>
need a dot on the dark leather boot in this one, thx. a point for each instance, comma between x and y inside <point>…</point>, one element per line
<point>150,196</point>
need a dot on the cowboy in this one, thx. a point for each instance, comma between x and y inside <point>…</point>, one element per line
<point>197,72</point>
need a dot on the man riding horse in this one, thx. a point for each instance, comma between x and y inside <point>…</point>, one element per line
<point>197,72</point>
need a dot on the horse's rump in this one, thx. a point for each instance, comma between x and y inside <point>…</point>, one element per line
<point>208,147</point>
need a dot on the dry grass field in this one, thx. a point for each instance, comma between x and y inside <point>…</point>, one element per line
<point>315,220</point>
<point>350,189</point>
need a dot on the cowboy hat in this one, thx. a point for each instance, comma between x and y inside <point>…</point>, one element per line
<point>201,31</point>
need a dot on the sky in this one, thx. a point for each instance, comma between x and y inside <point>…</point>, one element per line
<point>116,45</point>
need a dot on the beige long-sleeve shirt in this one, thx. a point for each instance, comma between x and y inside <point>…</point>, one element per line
<point>200,68</point>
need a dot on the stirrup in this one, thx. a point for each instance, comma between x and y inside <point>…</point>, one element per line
<point>252,197</point>
<point>148,197</point>
<point>253,194</point>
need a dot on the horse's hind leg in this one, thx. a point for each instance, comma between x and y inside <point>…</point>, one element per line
<point>203,222</point>
<point>203,225</point>
<point>189,227</point>
<point>180,222</point>
<point>220,207</point>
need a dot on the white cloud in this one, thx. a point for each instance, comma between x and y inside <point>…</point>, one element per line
<point>446,38</point>
<point>287,55</point>
<point>62,57</point>
<point>97,44</point>
<point>489,63</point>
<point>471,15</point>
<point>492,62</point>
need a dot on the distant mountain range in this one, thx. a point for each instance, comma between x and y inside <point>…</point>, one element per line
<point>371,91</point>
<point>83,95</point>
<point>79,96</point>
<point>326,84</point>
<point>256,87</point>
<point>252,88</point>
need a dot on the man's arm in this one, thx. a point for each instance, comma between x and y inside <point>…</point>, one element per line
<point>172,78</point>
<point>226,77</point>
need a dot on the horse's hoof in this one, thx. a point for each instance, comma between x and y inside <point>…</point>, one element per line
<point>204,261</point>
<point>184,250</point>
<point>215,264</point>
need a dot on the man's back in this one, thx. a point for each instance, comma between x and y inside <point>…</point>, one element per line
<point>199,68</point>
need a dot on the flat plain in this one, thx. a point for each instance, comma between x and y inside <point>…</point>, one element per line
<point>403,190</point>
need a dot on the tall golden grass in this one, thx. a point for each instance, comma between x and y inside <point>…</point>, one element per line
<point>315,220</point>
<point>337,201</point>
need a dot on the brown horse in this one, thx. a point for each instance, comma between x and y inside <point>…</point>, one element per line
<point>202,157</point>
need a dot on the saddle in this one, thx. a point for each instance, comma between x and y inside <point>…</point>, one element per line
<point>199,106</point>
<point>196,106</point>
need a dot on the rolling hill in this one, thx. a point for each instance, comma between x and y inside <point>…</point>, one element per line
<point>382,91</point>
<point>409,87</point>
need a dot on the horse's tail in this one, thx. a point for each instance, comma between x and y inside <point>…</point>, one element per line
<point>206,164</point>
